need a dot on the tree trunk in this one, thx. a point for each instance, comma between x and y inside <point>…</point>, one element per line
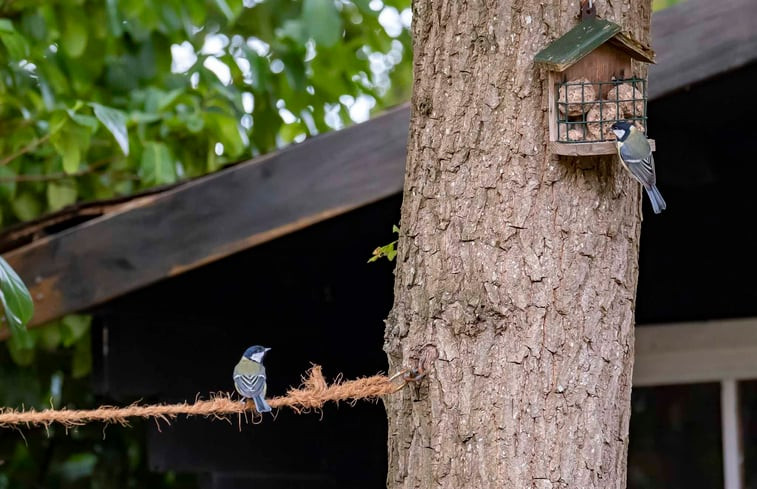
<point>517,268</point>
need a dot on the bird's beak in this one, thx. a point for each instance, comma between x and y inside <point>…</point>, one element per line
<point>267,350</point>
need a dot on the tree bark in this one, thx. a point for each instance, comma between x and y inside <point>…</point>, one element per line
<point>516,268</point>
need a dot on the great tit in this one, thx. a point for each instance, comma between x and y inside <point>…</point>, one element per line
<point>636,156</point>
<point>249,377</point>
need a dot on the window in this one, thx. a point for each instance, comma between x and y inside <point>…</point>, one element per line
<point>694,406</point>
<point>675,438</point>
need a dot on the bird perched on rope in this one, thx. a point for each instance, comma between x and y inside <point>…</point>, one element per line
<point>249,377</point>
<point>636,156</point>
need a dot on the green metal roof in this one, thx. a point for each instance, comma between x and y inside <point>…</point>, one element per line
<point>584,38</point>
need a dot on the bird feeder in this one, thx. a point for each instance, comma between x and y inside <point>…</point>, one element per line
<point>592,84</point>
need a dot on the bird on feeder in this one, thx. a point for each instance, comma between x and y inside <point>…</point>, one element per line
<point>636,156</point>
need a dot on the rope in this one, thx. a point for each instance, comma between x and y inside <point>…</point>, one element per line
<point>311,395</point>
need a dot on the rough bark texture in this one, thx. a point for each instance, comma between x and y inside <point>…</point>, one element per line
<point>518,267</point>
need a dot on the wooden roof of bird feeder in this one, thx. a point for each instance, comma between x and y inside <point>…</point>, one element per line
<point>589,35</point>
<point>597,51</point>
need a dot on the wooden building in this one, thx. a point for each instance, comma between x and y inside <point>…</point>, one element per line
<point>273,251</point>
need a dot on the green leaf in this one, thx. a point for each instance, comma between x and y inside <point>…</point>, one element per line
<point>395,229</point>
<point>115,121</point>
<point>6,26</point>
<point>15,43</point>
<point>17,302</point>
<point>74,327</point>
<point>295,30</point>
<point>74,35</point>
<point>132,8</point>
<point>26,206</point>
<point>21,348</point>
<point>57,122</point>
<point>166,99</point>
<point>144,117</point>
<point>78,466</point>
<point>114,23</point>
<point>70,140</point>
<point>289,131</point>
<point>194,123</point>
<point>225,9</point>
<point>389,251</point>
<point>61,193</point>
<point>159,100</point>
<point>7,189</point>
<point>84,120</point>
<point>81,363</point>
<point>294,68</point>
<point>322,21</point>
<point>157,167</point>
<point>226,129</point>
<point>48,336</point>
<point>230,9</point>
<point>260,69</point>
<point>68,148</point>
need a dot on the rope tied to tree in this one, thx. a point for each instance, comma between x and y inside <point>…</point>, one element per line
<point>313,393</point>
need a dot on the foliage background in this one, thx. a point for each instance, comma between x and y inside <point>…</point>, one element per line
<point>99,99</point>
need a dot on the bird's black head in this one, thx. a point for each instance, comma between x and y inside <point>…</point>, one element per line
<point>622,129</point>
<point>256,353</point>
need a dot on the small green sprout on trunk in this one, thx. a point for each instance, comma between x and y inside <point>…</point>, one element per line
<point>388,250</point>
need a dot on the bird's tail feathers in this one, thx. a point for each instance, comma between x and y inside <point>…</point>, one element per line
<point>658,203</point>
<point>260,405</point>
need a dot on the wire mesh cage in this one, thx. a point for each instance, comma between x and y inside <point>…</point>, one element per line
<point>586,110</point>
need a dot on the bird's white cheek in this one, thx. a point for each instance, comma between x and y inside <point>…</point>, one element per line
<point>618,133</point>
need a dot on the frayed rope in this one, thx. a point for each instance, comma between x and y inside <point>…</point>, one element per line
<point>311,395</point>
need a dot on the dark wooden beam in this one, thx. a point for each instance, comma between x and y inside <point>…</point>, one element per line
<point>698,39</point>
<point>165,234</point>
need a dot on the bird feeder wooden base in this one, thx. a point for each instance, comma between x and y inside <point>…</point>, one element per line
<point>587,149</point>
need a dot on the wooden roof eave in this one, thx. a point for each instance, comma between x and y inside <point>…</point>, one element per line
<point>699,39</point>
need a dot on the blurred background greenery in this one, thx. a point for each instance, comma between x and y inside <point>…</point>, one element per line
<point>661,4</point>
<point>100,99</point>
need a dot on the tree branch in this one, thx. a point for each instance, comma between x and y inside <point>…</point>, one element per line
<point>24,150</point>
<point>59,175</point>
